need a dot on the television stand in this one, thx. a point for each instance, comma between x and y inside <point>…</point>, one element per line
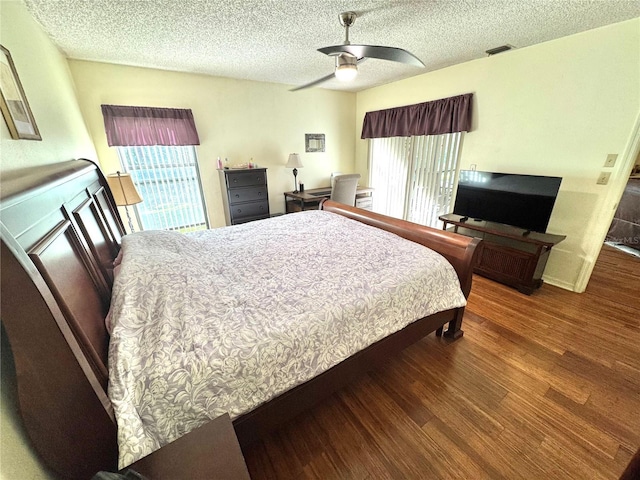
<point>510,255</point>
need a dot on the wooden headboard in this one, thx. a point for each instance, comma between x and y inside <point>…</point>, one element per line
<point>60,233</point>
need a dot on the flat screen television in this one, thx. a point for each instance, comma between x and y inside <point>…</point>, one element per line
<point>523,201</point>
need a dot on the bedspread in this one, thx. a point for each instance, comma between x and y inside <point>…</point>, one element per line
<point>226,319</point>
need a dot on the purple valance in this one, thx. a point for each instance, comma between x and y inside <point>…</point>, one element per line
<point>446,115</point>
<point>143,126</point>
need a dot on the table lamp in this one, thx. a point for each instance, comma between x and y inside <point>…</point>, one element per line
<point>124,192</point>
<point>295,163</point>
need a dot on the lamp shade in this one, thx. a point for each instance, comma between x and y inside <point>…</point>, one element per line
<point>294,161</point>
<point>346,67</point>
<point>123,189</point>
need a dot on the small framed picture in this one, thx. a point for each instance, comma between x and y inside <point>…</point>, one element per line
<point>13,101</point>
<point>314,142</point>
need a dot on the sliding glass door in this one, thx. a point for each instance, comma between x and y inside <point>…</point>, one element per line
<point>414,177</point>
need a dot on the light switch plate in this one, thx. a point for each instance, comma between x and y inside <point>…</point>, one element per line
<point>603,179</point>
<point>611,160</point>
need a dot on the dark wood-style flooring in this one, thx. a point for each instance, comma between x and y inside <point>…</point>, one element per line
<point>540,387</point>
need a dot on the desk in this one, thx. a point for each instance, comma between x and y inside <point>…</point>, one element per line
<point>311,198</point>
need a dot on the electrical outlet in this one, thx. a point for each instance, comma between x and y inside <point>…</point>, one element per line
<point>603,179</point>
<point>611,160</point>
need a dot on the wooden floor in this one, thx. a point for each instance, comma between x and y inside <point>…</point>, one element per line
<point>542,386</point>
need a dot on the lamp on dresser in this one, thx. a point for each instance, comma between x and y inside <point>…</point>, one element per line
<point>124,192</point>
<point>295,163</point>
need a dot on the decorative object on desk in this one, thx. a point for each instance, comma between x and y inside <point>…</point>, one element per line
<point>124,192</point>
<point>314,142</point>
<point>13,101</point>
<point>301,187</point>
<point>295,163</point>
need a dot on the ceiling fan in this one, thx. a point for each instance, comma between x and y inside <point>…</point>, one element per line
<point>348,56</point>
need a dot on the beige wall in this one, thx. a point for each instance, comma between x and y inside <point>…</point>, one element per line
<point>237,119</point>
<point>557,109</point>
<point>47,83</point>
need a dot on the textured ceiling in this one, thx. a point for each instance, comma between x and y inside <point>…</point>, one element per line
<point>277,40</point>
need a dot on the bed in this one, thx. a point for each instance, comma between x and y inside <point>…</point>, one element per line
<point>60,236</point>
<point>625,226</point>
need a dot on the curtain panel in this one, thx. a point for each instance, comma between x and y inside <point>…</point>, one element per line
<point>447,115</point>
<point>128,126</point>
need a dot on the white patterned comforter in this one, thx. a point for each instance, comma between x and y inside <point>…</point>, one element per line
<point>226,319</point>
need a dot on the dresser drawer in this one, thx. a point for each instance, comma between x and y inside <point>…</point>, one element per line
<point>240,195</point>
<point>246,178</point>
<point>253,209</point>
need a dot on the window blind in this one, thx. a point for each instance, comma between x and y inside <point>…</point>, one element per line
<point>414,177</point>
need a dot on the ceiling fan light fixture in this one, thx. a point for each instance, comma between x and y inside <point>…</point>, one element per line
<point>346,67</point>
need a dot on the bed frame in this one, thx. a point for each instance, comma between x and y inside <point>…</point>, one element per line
<point>60,232</point>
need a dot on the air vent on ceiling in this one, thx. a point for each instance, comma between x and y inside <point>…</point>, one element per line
<point>502,48</point>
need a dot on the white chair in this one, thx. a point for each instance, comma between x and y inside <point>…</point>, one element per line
<point>334,175</point>
<point>344,188</point>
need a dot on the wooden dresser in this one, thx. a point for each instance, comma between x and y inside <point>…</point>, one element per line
<point>244,194</point>
<point>508,254</point>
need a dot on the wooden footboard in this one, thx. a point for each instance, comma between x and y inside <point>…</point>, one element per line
<point>459,250</point>
<point>60,233</point>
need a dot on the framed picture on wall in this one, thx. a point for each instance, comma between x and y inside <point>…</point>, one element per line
<point>314,142</point>
<point>13,101</point>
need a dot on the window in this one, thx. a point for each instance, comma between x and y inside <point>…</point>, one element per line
<point>414,177</point>
<point>168,180</point>
<point>413,157</point>
<point>156,147</point>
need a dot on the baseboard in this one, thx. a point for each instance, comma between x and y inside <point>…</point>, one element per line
<point>556,282</point>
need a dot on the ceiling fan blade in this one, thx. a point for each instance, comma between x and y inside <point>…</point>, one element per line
<point>392,54</point>
<point>314,83</point>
